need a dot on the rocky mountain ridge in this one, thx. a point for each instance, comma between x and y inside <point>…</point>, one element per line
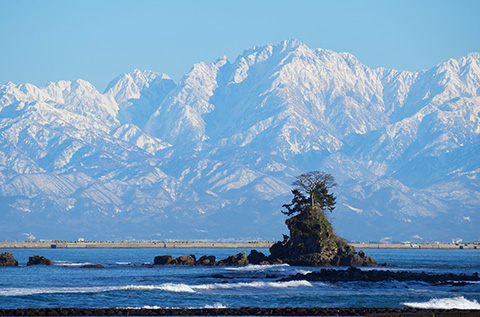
<point>213,156</point>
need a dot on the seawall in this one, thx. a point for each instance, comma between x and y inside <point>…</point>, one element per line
<point>132,245</point>
<point>206,245</point>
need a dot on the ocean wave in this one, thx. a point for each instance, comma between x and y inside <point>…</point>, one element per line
<point>256,267</point>
<point>216,305</point>
<point>446,303</point>
<point>68,263</point>
<point>53,290</point>
<point>168,287</point>
<point>303,272</point>
<point>184,288</point>
<point>289,284</point>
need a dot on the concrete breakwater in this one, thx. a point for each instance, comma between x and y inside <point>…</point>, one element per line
<point>207,245</point>
<point>133,245</point>
<point>446,246</point>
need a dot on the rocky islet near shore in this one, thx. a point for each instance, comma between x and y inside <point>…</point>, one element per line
<point>7,259</point>
<point>312,242</point>
<point>239,259</point>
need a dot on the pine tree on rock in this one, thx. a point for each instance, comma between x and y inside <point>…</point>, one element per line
<point>312,241</point>
<point>316,184</point>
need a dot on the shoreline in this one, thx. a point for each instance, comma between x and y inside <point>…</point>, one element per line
<point>134,245</point>
<point>439,246</point>
<point>213,245</point>
<point>244,311</point>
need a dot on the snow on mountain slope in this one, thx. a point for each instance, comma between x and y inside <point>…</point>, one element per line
<point>139,94</point>
<point>213,156</point>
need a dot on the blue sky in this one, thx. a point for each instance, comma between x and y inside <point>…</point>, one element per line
<point>97,40</point>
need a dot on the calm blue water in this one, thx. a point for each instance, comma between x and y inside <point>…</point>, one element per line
<point>130,280</point>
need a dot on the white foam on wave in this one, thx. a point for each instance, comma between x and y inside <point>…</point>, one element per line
<point>53,290</point>
<point>303,271</point>
<point>446,303</point>
<point>216,305</point>
<point>168,287</point>
<point>256,267</point>
<point>289,284</point>
<point>67,263</point>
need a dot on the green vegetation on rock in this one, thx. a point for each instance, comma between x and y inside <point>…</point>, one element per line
<point>312,241</point>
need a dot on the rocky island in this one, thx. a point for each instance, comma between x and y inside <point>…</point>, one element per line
<point>312,241</point>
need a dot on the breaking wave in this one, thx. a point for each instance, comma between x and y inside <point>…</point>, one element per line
<point>446,303</point>
<point>68,263</point>
<point>216,305</point>
<point>255,267</point>
<point>289,284</point>
<point>168,287</point>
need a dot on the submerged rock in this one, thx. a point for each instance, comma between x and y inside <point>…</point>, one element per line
<point>39,260</point>
<point>355,274</point>
<point>7,259</point>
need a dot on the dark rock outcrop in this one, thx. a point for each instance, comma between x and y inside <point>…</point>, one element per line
<point>7,259</point>
<point>355,274</point>
<point>207,260</point>
<point>256,257</point>
<point>186,260</point>
<point>314,243</point>
<point>38,260</point>
<point>163,260</point>
<point>92,266</point>
<point>235,260</point>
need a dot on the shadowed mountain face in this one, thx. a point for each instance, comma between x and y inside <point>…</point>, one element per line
<point>213,156</point>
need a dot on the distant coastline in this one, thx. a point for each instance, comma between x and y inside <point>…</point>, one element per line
<point>206,245</point>
<point>133,245</point>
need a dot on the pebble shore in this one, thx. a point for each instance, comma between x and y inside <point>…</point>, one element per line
<point>245,311</point>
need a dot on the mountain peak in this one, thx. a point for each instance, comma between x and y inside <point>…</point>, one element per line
<point>291,44</point>
<point>130,85</point>
<point>221,147</point>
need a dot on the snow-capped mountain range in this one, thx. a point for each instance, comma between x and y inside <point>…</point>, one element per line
<point>213,157</point>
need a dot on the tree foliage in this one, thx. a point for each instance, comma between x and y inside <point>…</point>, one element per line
<point>312,190</point>
<point>299,202</point>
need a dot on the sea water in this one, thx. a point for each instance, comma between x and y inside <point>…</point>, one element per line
<point>130,280</point>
